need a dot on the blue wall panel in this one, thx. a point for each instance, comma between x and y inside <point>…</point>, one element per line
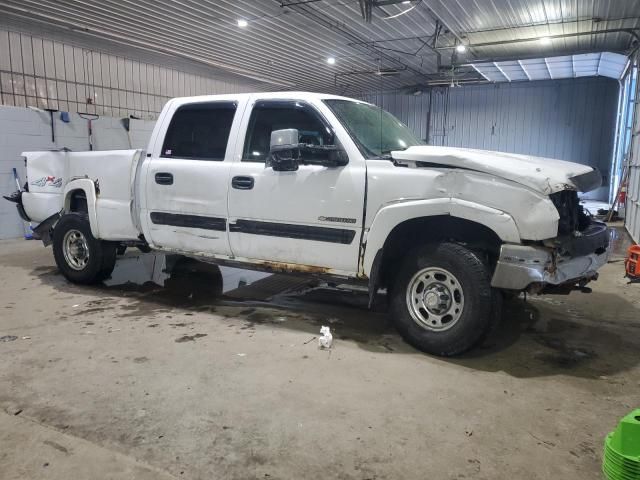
<point>570,120</point>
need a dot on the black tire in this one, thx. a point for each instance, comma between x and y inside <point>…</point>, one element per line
<point>109,257</point>
<point>475,317</point>
<point>101,257</point>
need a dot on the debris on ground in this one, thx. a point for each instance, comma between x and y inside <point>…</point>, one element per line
<point>326,339</point>
<point>190,338</point>
<point>8,338</point>
<point>13,409</point>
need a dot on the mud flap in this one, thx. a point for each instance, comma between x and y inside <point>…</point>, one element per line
<point>45,229</point>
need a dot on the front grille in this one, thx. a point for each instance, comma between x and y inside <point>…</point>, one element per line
<point>572,215</point>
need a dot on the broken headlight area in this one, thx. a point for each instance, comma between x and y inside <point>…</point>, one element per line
<point>578,233</point>
<point>573,218</point>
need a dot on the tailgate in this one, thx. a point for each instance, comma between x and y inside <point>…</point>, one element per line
<point>46,176</point>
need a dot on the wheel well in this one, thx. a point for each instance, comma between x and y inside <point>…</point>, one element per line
<point>78,201</point>
<point>418,231</point>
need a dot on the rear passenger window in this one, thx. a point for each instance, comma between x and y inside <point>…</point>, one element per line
<point>199,131</point>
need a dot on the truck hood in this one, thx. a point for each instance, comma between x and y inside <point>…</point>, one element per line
<point>545,175</point>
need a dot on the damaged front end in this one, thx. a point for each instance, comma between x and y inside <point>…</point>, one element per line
<point>558,265</point>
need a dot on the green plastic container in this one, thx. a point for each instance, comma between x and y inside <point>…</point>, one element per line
<point>622,450</point>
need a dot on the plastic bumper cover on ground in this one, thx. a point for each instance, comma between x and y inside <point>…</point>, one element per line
<point>521,266</point>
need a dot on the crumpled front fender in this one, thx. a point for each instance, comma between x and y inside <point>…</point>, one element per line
<point>392,215</point>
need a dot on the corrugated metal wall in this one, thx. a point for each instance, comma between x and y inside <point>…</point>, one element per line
<point>632,215</point>
<point>567,119</point>
<point>46,73</point>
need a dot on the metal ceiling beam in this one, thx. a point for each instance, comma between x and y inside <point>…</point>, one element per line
<point>587,22</point>
<point>533,56</point>
<point>548,69</point>
<point>495,64</point>
<point>524,70</point>
<point>631,31</point>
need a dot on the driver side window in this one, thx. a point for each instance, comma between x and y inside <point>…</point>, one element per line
<point>268,116</point>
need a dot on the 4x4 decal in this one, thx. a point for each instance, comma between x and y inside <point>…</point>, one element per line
<point>49,181</point>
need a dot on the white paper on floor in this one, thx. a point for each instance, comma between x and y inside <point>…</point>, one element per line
<point>326,339</point>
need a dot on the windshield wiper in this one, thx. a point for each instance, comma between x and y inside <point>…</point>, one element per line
<point>386,154</point>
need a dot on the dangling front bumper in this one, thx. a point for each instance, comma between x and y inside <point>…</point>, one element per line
<point>574,261</point>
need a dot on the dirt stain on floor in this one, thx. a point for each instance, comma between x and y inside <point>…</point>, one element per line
<point>56,446</point>
<point>190,338</point>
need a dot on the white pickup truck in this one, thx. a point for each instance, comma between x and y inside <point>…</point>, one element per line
<point>328,186</point>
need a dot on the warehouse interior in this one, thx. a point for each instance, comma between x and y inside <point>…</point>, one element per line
<point>149,375</point>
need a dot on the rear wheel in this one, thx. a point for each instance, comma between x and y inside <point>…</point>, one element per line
<point>441,301</point>
<point>79,255</point>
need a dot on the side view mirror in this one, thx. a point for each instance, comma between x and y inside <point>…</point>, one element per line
<point>286,152</point>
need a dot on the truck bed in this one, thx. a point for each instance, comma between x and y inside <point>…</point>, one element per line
<point>52,176</point>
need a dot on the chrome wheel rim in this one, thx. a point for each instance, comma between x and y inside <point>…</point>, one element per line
<point>75,249</point>
<point>435,299</point>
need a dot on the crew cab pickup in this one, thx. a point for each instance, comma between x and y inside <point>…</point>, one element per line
<point>328,186</point>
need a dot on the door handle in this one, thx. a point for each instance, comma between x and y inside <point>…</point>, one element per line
<point>164,178</point>
<point>242,183</point>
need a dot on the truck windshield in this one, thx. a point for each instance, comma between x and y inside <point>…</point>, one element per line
<point>376,132</point>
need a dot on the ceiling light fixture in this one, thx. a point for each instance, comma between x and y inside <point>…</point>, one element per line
<point>544,41</point>
<point>461,48</point>
<point>331,60</point>
<point>242,23</point>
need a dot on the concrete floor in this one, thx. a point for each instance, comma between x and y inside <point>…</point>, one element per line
<point>132,381</point>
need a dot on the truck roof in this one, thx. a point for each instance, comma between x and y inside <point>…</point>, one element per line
<point>270,95</point>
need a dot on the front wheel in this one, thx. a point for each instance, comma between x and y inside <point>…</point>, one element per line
<point>79,255</point>
<point>441,300</point>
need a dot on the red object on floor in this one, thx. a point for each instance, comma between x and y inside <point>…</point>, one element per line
<point>632,263</point>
